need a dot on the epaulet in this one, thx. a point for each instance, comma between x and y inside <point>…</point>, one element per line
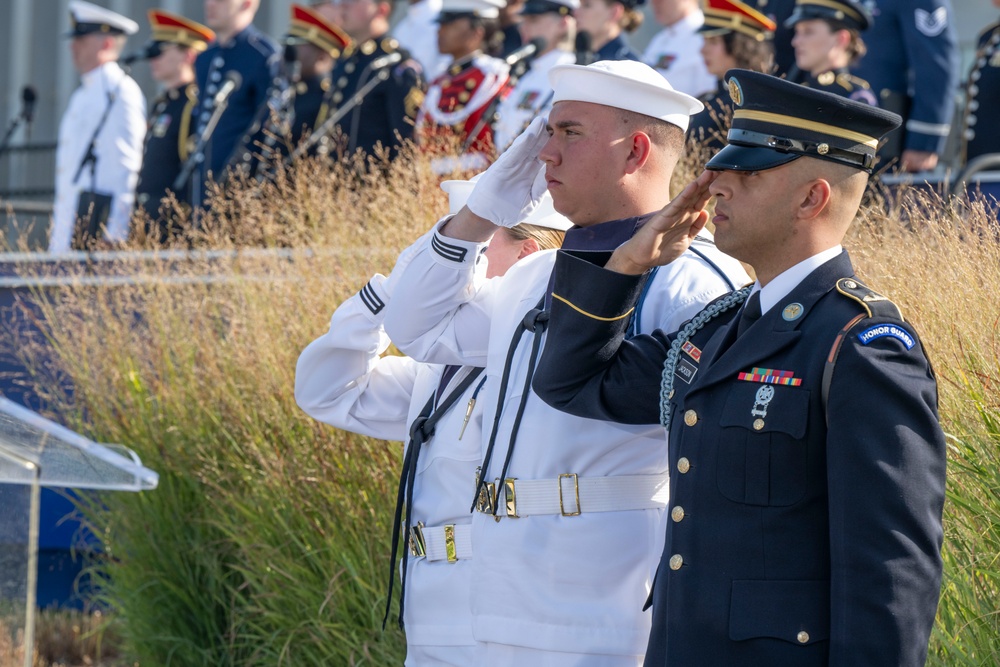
<point>874,304</point>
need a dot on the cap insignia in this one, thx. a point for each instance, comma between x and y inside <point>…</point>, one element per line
<point>736,92</point>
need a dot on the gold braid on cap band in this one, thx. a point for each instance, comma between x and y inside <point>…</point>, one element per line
<point>840,7</point>
<point>729,21</point>
<point>812,126</point>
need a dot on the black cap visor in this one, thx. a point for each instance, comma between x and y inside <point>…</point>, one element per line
<point>748,158</point>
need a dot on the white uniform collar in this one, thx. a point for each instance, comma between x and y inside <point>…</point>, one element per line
<point>109,72</point>
<point>689,23</point>
<point>788,280</point>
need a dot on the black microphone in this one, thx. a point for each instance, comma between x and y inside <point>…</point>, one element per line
<point>293,68</point>
<point>529,50</point>
<point>386,60</point>
<point>584,48</point>
<point>151,50</point>
<point>230,85</point>
<point>28,97</point>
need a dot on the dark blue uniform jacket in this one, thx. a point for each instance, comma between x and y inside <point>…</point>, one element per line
<point>802,530</point>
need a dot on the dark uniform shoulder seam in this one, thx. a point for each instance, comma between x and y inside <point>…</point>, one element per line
<point>873,303</point>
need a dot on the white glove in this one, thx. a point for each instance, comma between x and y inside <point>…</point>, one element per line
<point>511,188</point>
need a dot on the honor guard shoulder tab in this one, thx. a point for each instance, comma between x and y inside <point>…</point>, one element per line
<point>873,303</point>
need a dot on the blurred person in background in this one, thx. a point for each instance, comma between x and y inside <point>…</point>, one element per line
<point>552,22</point>
<point>342,379</point>
<point>510,28</point>
<point>912,65</point>
<point>605,21</point>
<point>784,55</point>
<point>99,150</point>
<point>454,113</point>
<point>417,33</point>
<point>176,43</point>
<point>828,42</point>
<point>737,36</point>
<point>386,115</point>
<point>982,93</point>
<point>675,51</point>
<point>239,50</point>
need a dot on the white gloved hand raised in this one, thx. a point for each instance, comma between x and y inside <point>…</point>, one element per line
<point>511,188</point>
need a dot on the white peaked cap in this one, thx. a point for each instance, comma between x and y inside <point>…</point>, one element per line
<point>624,84</point>
<point>85,12</point>
<point>544,215</point>
<point>487,9</point>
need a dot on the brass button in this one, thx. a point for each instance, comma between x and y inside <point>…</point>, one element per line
<point>758,424</point>
<point>677,514</point>
<point>683,465</point>
<point>850,284</point>
<point>690,417</point>
<point>676,561</point>
<point>803,637</point>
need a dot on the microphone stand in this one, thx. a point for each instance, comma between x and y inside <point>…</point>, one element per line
<point>14,124</point>
<point>327,127</point>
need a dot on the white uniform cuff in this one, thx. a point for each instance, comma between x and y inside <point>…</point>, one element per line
<point>454,253</point>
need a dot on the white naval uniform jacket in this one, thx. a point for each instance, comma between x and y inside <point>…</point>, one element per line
<point>342,380</point>
<point>530,97</point>
<point>675,52</point>
<point>118,149</point>
<point>548,582</point>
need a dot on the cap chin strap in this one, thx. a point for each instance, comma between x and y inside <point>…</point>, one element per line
<point>820,150</point>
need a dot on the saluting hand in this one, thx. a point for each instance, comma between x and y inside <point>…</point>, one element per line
<point>669,233</point>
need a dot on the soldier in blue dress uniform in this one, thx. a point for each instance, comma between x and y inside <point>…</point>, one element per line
<point>982,96</point>
<point>912,66</point>
<point>827,42</point>
<point>176,43</point>
<point>241,48</point>
<point>386,115</point>
<point>737,36</point>
<point>807,461</point>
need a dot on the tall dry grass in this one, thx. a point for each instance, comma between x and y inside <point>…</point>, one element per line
<point>266,543</point>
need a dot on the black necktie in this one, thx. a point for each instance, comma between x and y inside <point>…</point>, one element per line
<point>751,313</point>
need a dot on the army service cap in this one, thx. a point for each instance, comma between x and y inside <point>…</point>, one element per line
<point>457,9</point>
<point>175,29</point>
<point>850,13</point>
<point>86,18</point>
<point>308,27</point>
<point>725,16</point>
<point>776,121</point>
<point>623,84</point>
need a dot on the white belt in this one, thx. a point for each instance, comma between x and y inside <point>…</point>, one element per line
<point>570,495</point>
<point>449,542</point>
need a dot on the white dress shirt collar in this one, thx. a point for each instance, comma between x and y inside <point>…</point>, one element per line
<point>789,279</point>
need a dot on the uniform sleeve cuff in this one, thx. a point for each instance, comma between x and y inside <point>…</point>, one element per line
<point>374,298</point>
<point>586,287</point>
<point>454,252</point>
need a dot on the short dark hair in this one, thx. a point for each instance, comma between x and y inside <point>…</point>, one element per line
<point>661,133</point>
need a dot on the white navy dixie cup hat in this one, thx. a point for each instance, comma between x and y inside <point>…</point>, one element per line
<point>624,84</point>
<point>486,9</point>
<point>86,18</point>
<point>544,215</point>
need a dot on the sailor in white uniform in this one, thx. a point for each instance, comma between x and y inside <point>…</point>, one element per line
<point>109,109</point>
<point>568,521</point>
<point>343,380</point>
<point>551,21</point>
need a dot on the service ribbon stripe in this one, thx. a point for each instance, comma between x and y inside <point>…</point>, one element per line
<point>771,376</point>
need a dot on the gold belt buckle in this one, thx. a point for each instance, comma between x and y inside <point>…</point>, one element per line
<point>449,543</point>
<point>418,547</point>
<point>510,497</point>
<point>576,491</point>
<point>487,498</point>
